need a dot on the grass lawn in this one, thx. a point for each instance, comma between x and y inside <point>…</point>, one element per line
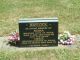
<point>44,54</point>
<point>68,12</point>
<point>60,52</point>
<point>38,53</point>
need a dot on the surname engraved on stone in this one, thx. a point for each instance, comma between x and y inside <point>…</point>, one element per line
<point>38,25</point>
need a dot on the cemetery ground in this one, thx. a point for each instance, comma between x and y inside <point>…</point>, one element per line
<point>67,11</point>
<point>61,52</point>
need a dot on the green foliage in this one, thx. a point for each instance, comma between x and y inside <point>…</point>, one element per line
<point>64,37</point>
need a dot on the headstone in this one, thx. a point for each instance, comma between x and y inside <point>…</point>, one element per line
<point>38,32</point>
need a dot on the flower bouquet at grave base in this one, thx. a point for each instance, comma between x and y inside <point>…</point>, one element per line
<point>66,38</point>
<point>13,38</point>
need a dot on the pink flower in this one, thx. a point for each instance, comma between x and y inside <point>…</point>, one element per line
<point>14,37</point>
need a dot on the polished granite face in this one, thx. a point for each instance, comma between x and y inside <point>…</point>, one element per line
<point>38,33</point>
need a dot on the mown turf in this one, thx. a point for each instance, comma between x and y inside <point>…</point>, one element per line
<point>60,52</point>
<point>68,12</point>
<point>47,54</point>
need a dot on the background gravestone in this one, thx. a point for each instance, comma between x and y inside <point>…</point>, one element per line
<point>36,32</point>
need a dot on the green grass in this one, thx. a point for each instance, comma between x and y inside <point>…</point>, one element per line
<point>38,53</point>
<point>68,12</point>
<point>47,54</point>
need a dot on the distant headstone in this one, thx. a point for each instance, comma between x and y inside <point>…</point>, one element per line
<point>38,32</point>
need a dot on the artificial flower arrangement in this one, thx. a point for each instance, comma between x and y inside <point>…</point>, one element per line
<point>66,38</point>
<point>13,38</point>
